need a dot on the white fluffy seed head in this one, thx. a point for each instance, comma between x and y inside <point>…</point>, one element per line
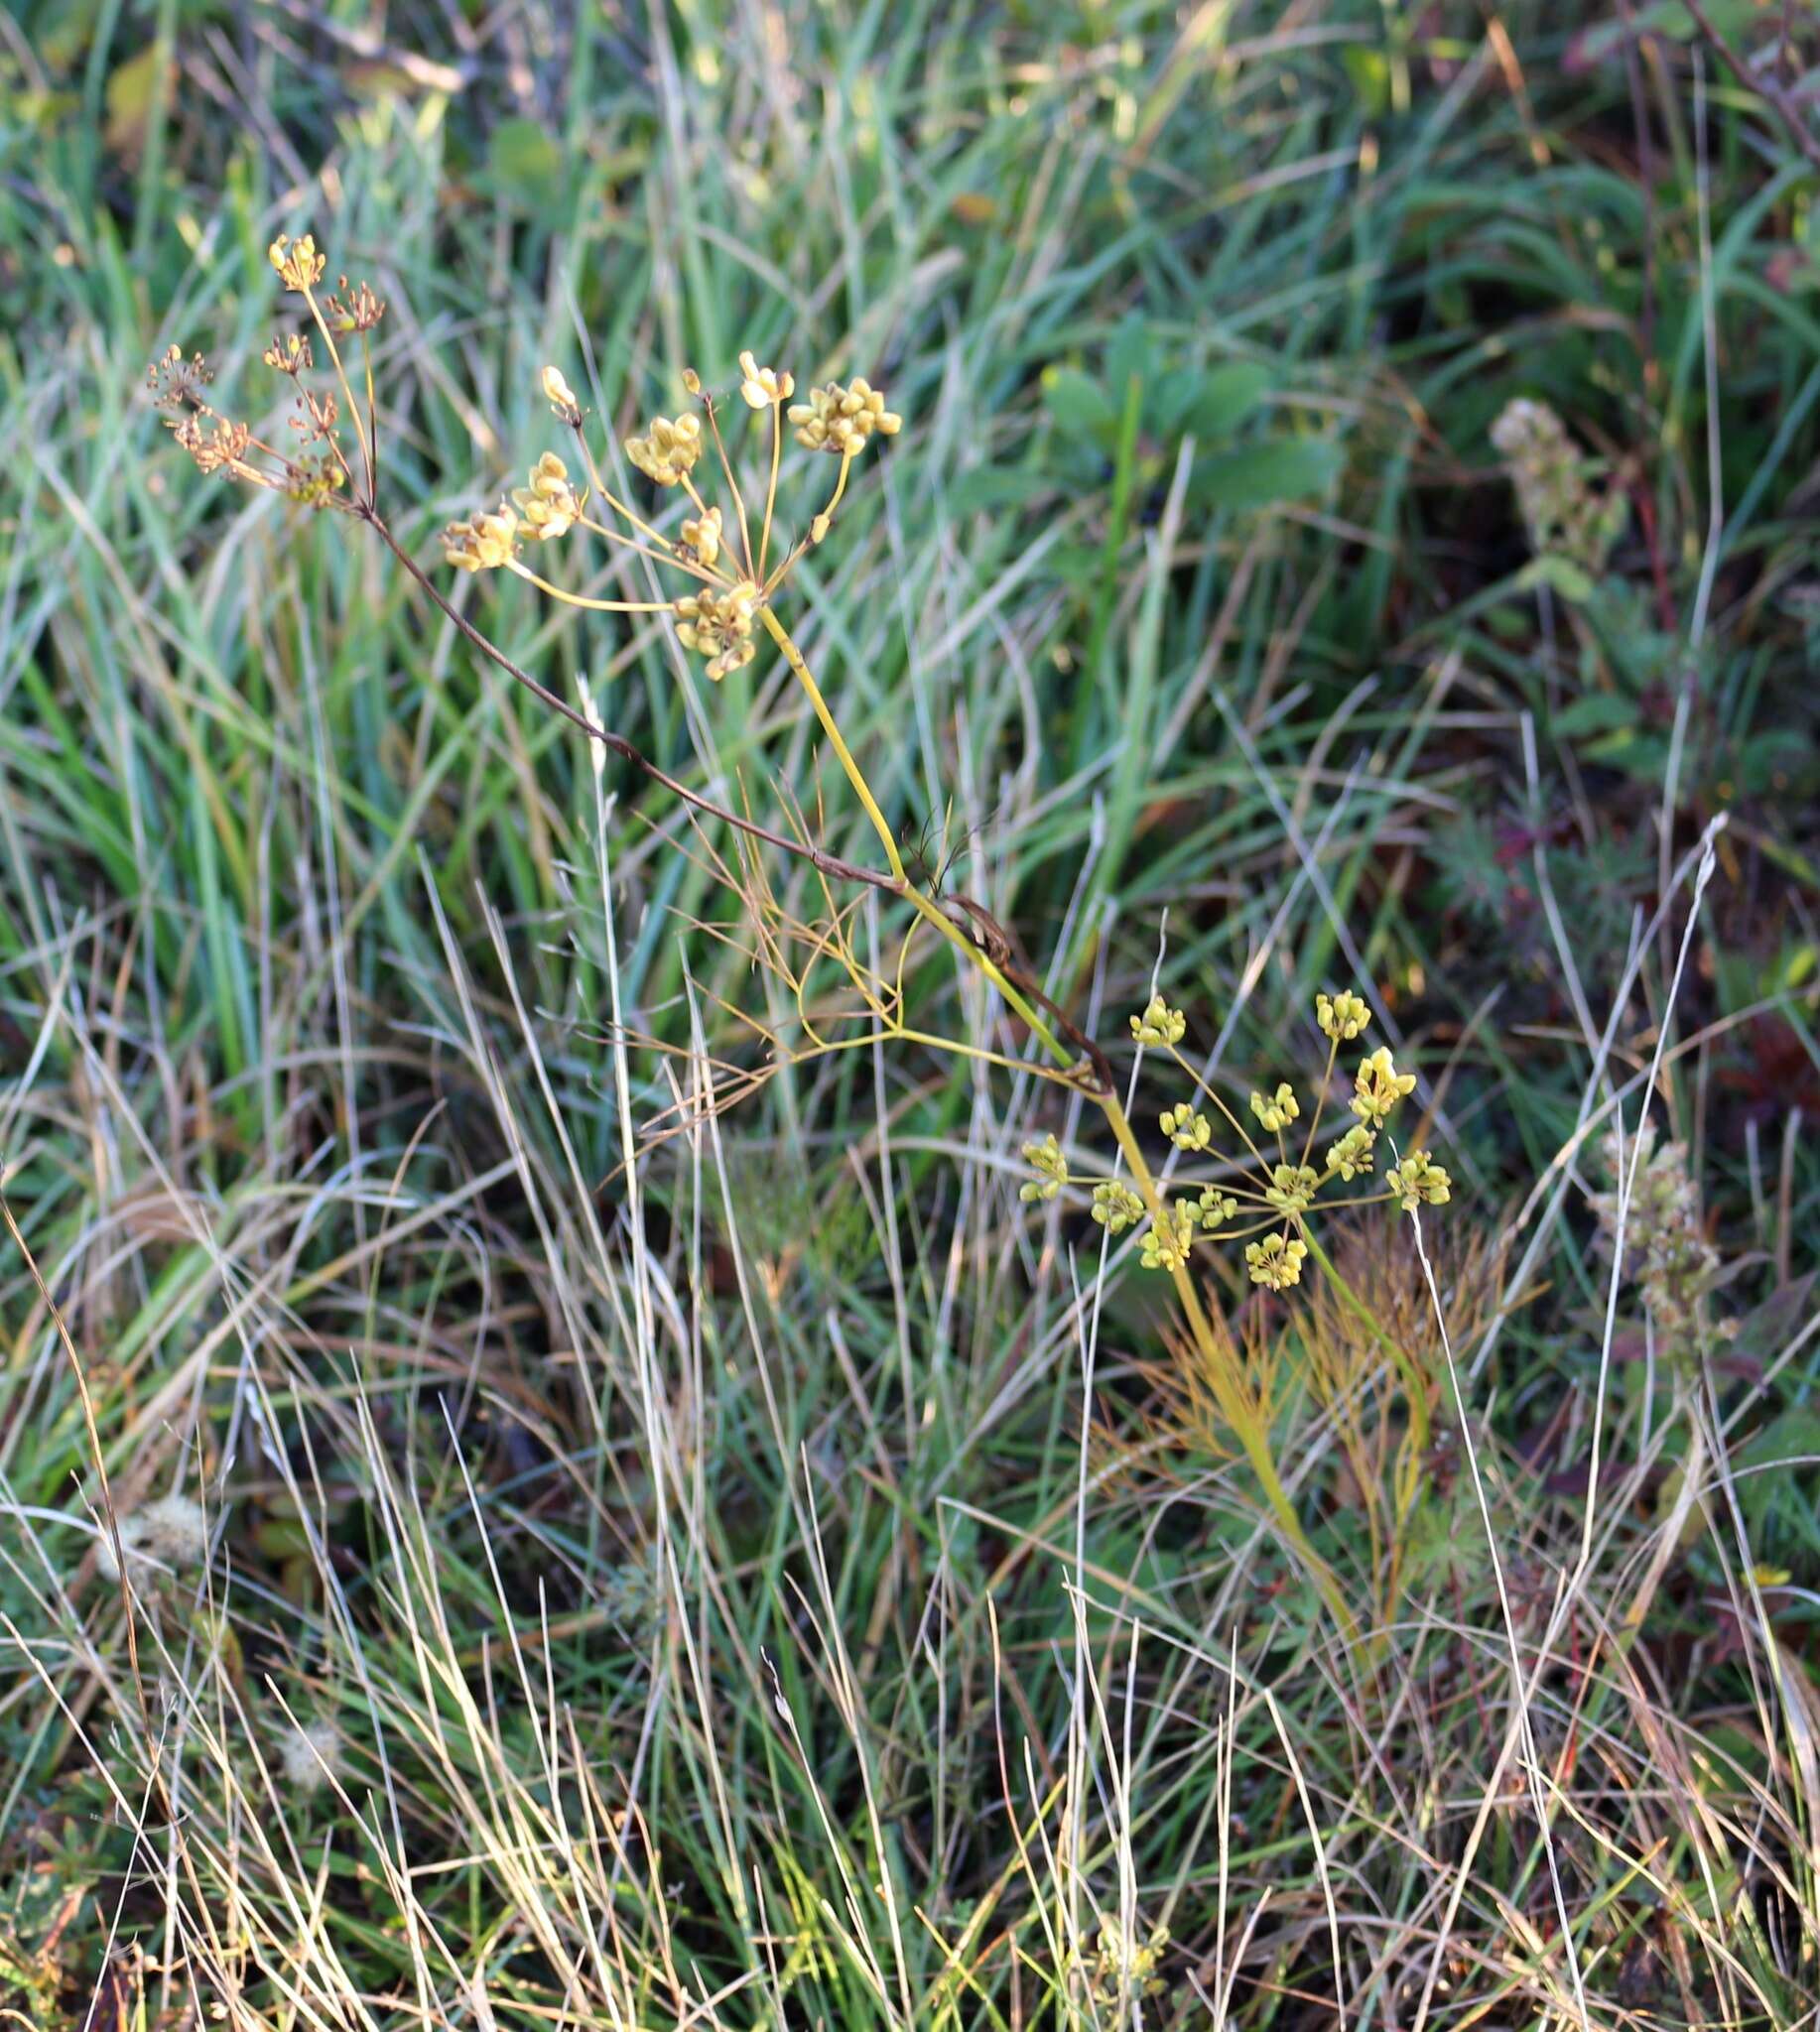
<point>170,1534</point>
<point>310,1754</point>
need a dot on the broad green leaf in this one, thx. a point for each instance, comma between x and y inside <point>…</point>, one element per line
<point>526,163</point>
<point>1224,397</point>
<point>1078,403</point>
<point>1274,469</point>
<point>1370,72</point>
<point>1572,582</point>
<point>1595,713</point>
<point>1132,351</point>
<point>131,89</point>
<point>988,488</point>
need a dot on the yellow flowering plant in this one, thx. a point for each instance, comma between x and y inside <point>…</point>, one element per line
<point>1270,1190</point>
<point>732,576</point>
<point>727,568</point>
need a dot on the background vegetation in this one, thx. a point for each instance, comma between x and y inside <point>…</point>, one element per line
<point>810,1588</point>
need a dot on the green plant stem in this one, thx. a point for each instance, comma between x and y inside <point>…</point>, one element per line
<point>1251,1428</point>
<point>924,906</point>
<point>862,790</point>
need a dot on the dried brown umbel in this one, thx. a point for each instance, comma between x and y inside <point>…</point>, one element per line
<point>227,444</point>
<point>315,477</point>
<point>730,580</point>
<point>177,383</point>
<point>353,307</point>
<point>289,353</point>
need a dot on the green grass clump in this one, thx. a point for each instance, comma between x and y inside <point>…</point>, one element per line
<point>573,1451</point>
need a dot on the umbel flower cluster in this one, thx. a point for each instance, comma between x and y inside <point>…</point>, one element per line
<point>1261,1200</point>
<point>734,579</point>
<point>313,469</point>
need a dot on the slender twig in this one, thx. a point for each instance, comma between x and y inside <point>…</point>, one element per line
<point>579,599</point>
<point>1766,86</point>
<point>997,942</point>
<point>347,396</point>
<point>777,447</point>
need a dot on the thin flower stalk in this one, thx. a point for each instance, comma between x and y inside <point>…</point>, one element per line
<point>593,606</point>
<point>777,459</point>
<point>299,268</point>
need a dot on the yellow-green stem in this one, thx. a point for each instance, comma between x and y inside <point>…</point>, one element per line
<point>1253,1432</point>
<point>665,553</point>
<point>929,911</point>
<point>777,449</point>
<point>598,606</point>
<point>732,482</point>
<point>347,396</point>
<point>855,775</point>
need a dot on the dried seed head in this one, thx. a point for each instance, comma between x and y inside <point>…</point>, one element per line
<point>314,420</point>
<point>596,751</point>
<point>1418,1182</point>
<point>176,382</point>
<point>1274,1262</point>
<point>1292,1186</point>
<point>289,353</point>
<point>1566,513</point>
<point>700,543</point>
<point>1352,1153</point>
<point>1378,1087</point>
<point>1342,1017</point>
<point>353,307</point>
<point>563,400</point>
<point>1277,1111</point>
<point>213,442</point>
<point>668,451</point>
<point>1666,1249</point>
<point>1047,1160</point>
<point>1186,1129</point>
<point>1159,1024</point>
<point>1117,1208</point>
<point>1124,1968</point>
<point>168,1535</point>
<point>1168,1243</point>
<point>719,626</point>
<point>310,1755</point>
<point>315,482</point>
